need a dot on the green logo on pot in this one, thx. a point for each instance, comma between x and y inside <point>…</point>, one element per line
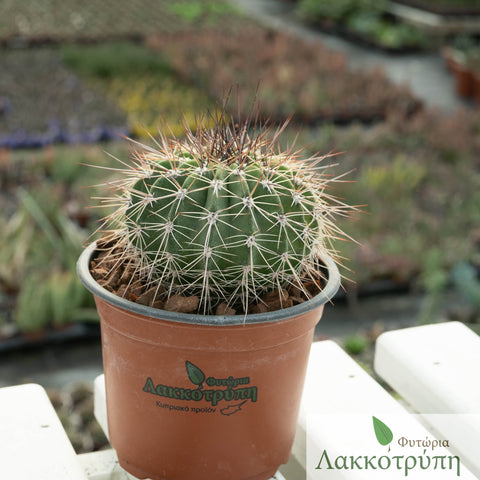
<point>233,391</point>
<point>196,376</point>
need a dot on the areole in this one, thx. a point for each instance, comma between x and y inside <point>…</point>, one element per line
<point>204,397</point>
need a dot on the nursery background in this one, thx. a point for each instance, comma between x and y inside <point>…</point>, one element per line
<point>398,99</point>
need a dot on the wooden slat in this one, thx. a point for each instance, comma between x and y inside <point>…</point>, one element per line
<point>436,369</point>
<point>337,385</point>
<point>33,443</point>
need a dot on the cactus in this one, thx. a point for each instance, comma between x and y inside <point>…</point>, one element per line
<point>225,214</point>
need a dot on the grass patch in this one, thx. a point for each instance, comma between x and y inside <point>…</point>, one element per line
<point>195,10</point>
<point>114,59</point>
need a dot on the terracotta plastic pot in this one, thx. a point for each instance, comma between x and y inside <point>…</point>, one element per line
<point>476,86</point>
<point>204,397</point>
<point>464,81</point>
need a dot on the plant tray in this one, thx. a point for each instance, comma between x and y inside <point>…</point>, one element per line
<point>364,40</point>
<point>439,9</point>
<point>74,332</point>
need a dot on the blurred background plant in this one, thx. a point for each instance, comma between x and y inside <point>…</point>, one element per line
<point>286,75</point>
<point>45,223</point>
<point>366,20</point>
<point>355,344</point>
<point>138,81</point>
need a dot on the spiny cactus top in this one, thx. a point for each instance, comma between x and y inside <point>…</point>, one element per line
<point>225,215</point>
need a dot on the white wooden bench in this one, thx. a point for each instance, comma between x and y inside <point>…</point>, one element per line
<point>33,444</point>
<point>436,369</point>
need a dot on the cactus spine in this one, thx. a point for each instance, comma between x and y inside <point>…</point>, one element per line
<point>224,215</point>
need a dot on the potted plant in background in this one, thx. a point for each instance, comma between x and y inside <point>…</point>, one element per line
<point>209,281</point>
<point>462,59</point>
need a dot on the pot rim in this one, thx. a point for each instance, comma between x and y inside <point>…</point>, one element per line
<point>326,295</point>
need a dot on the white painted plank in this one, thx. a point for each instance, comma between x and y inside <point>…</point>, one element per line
<point>100,403</point>
<point>436,368</point>
<point>33,443</point>
<point>101,465</point>
<point>335,383</point>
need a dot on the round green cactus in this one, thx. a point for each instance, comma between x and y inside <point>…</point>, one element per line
<point>226,216</point>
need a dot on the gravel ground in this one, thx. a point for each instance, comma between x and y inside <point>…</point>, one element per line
<point>74,406</point>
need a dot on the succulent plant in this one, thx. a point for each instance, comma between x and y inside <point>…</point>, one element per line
<point>224,214</point>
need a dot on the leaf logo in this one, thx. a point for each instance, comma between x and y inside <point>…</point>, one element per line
<point>382,432</point>
<point>196,376</point>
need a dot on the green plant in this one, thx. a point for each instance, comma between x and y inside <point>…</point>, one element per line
<point>372,25</point>
<point>113,59</point>
<point>364,23</point>
<point>141,82</point>
<point>52,300</point>
<point>339,11</point>
<point>49,295</point>
<point>465,280</point>
<point>65,295</point>
<point>225,215</point>
<point>400,35</point>
<point>355,344</point>
<point>41,233</point>
<point>33,308</point>
<point>434,279</point>
<point>193,10</point>
<point>325,9</point>
<point>140,98</point>
<point>57,236</point>
<point>15,248</point>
